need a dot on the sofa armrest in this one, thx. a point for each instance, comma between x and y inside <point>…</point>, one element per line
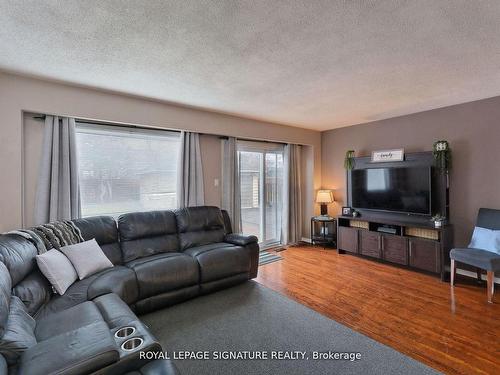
<point>81,351</point>
<point>251,244</point>
<point>240,240</point>
<point>158,367</point>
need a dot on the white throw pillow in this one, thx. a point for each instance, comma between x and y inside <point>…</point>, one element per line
<point>485,239</point>
<point>57,269</point>
<point>87,258</point>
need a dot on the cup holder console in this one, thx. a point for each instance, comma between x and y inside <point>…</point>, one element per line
<point>125,332</point>
<point>132,344</point>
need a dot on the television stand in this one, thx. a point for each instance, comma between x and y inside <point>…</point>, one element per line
<point>413,245</point>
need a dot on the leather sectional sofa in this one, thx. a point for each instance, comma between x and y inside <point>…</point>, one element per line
<point>160,258</point>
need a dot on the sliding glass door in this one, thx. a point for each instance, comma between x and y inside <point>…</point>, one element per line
<point>261,182</point>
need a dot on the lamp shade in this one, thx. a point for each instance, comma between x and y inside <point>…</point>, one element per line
<point>324,196</point>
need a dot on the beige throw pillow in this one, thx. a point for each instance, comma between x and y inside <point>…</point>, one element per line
<point>57,269</point>
<point>87,258</point>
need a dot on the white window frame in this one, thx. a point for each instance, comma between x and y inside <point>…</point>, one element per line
<point>264,148</point>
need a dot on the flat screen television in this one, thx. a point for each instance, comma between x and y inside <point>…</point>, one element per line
<point>405,190</point>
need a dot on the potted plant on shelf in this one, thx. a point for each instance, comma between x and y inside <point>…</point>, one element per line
<point>442,155</point>
<point>438,220</point>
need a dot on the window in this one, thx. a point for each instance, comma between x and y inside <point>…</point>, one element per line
<point>126,169</point>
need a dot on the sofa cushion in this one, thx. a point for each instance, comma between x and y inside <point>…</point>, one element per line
<point>105,232</point>
<point>164,272</point>
<point>34,290</point>
<point>217,262</point>
<point>194,251</point>
<point>483,259</point>
<point>57,268</point>
<point>67,320</point>
<point>18,254</point>
<point>87,258</point>
<point>119,279</point>
<point>199,226</point>
<point>81,351</point>
<point>19,332</point>
<point>147,233</point>
<point>5,294</point>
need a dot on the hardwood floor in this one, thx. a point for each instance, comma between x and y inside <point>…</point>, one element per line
<point>454,331</point>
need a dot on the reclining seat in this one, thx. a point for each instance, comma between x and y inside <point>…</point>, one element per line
<point>23,293</point>
<point>118,279</point>
<point>149,245</point>
<point>224,259</point>
<point>77,339</point>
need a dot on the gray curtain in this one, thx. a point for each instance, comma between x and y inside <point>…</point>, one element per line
<point>231,194</point>
<point>57,194</point>
<point>292,197</point>
<point>190,189</point>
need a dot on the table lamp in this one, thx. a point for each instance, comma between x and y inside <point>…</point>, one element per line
<point>324,197</point>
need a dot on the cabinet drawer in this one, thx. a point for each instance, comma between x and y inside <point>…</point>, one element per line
<point>369,243</point>
<point>395,249</point>
<point>425,255</point>
<point>348,239</point>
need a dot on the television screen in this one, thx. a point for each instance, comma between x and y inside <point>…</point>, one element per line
<point>405,190</point>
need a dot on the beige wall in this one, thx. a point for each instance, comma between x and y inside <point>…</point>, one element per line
<point>473,130</point>
<point>212,168</point>
<point>22,94</point>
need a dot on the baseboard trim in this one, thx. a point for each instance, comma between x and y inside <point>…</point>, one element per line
<point>473,275</point>
<point>459,271</point>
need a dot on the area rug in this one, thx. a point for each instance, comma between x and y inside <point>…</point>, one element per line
<point>266,257</point>
<point>265,332</point>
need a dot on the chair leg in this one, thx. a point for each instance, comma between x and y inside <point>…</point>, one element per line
<point>490,285</point>
<point>478,274</point>
<point>453,272</point>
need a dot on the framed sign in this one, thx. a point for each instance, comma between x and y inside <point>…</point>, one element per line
<point>388,155</point>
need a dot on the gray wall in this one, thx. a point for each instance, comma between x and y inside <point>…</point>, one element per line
<point>473,130</point>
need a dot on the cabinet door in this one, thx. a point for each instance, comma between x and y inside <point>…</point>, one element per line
<point>369,243</point>
<point>348,239</point>
<point>425,254</point>
<point>395,249</point>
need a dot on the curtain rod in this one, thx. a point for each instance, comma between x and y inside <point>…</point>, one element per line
<point>258,140</point>
<point>41,117</point>
<point>110,123</point>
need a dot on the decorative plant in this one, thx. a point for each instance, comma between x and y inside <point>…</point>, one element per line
<point>442,154</point>
<point>349,160</point>
<point>438,218</point>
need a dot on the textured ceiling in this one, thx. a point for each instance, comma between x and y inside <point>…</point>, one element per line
<point>314,64</point>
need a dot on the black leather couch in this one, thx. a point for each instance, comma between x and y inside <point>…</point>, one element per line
<point>160,258</point>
